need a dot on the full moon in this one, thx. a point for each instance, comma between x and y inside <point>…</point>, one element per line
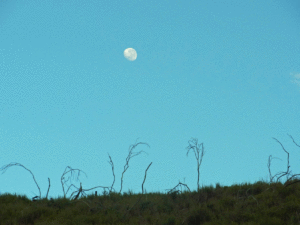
<point>130,54</point>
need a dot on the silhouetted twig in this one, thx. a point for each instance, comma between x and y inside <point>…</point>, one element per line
<point>194,145</point>
<point>131,155</point>
<point>18,164</point>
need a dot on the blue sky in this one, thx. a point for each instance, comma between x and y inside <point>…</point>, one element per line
<point>224,72</point>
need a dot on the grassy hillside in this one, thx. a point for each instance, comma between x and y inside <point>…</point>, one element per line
<point>258,203</point>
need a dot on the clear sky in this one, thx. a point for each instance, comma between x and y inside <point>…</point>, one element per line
<point>224,72</point>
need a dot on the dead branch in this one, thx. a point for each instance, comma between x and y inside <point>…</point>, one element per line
<point>48,188</point>
<point>288,172</point>
<point>82,191</point>
<point>62,178</point>
<point>109,188</point>
<point>112,167</point>
<point>194,145</point>
<point>173,189</point>
<point>131,155</point>
<point>294,141</point>
<point>18,164</point>
<point>288,162</point>
<point>79,191</point>
<point>292,177</point>
<point>145,177</point>
<point>269,166</point>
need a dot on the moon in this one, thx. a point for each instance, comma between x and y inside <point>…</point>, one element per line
<point>130,54</point>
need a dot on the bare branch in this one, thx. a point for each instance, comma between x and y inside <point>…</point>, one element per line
<point>83,190</point>
<point>48,187</point>
<point>287,173</point>
<point>288,161</point>
<point>145,177</point>
<point>292,177</point>
<point>112,167</point>
<point>4,168</point>
<point>79,191</point>
<point>173,189</point>
<point>130,155</point>
<point>294,141</point>
<point>269,166</point>
<point>62,177</point>
<point>194,145</point>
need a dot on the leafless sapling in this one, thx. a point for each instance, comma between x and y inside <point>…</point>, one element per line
<point>193,144</point>
<point>288,172</point>
<point>131,155</point>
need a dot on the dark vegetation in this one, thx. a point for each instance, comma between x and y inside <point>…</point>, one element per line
<point>262,202</point>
